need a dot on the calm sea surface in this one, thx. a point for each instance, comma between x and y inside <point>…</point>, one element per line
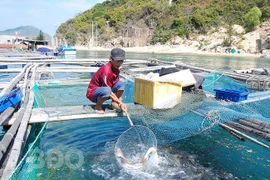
<point>84,149</point>
<point>211,62</point>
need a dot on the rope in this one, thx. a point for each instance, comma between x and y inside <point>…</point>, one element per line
<point>214,80</point>
<point>211,118</point>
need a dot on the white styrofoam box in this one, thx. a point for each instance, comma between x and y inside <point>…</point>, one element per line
<point>156,94</point>
<point>185,77</point>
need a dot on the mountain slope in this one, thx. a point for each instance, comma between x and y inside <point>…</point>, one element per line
<point>139,22</point>
<point>23,31</point>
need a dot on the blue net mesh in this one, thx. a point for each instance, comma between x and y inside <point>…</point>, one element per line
<point>217,80</point>
<point>196,113</point>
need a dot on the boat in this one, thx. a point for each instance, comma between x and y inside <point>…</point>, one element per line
<point>45,51</point>
<point>10,99</point>
<point>66,50</point>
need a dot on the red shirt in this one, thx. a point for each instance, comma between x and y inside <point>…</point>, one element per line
<point>105,76</point>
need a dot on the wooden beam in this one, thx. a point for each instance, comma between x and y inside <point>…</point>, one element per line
<point>18,141</point>
<point>14,81</point>
<point>70,69</point>
<point>249,129</point>
<point>7,113</point>
<point>34,57</point>
<point>258,122</point>
<point>11,70</point>
<point>22,130</point>
<point>62,82</point>
<point>244,135</point>
<point>89,69</point>
<point>81,69</point>
<point>48,81</point>
<point>152,68</point>
<point>43,117</point>
<point>253,125</point>
<point>9,135</point>
<point>54,114</point>
<point>23,60</point>
<point>50,61</point>
<point>193,67</point>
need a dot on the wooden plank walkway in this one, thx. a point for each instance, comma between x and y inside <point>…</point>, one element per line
<point>65,113</point>
<point>33,57</point>
<point>152,68</point>
<point>54,69</point>
<point>69,81</point>
<point>17,134</point>
<point>52,82</point>
<point>78,61</point>
<point>83,69</point>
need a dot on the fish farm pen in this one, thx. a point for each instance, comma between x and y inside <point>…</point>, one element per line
<point>174,107</point>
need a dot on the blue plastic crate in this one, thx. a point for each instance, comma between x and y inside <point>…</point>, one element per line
<point>11,98</point>
<point>231,94</point>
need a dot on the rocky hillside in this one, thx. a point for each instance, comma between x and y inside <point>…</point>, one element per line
<point>213,41</point>
<point>208,25</point>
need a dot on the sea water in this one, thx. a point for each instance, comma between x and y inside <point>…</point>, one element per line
<point>84,149</point>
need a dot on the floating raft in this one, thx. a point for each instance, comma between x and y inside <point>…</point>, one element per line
<point>152,68</point>
<point>255,81</point>
<point>69,81</point>
<point>62,61</point>
<point>34,57</point>
<point>65,113</point>
<point>55,69</point>
<point>260,82</point>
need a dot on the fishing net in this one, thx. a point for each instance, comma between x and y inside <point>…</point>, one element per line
<point>53,95</point>
<point>219,80</point>
<point>198,111</point>
<point>136,148</point>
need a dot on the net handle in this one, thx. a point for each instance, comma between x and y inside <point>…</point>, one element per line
<point>130,122</point>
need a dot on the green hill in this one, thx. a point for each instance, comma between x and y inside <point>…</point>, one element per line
<point>23,31</point>
<point>157,21</point>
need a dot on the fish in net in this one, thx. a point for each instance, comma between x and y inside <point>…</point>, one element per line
<point>136,148</point>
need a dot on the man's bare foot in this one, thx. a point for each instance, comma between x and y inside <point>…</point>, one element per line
<point>100,111</point>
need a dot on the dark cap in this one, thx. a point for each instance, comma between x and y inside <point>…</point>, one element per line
<point>118,54</point>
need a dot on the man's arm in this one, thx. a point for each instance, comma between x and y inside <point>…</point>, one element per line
<point>121,105</point>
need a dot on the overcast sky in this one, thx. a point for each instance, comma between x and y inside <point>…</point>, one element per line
<point>45,15</point>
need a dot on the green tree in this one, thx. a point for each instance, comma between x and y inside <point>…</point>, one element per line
<point>253,18</point>
<point>40,36</point>
<point>182,18</point>
<point>71,38</point>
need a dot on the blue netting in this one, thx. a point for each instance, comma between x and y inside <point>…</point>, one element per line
<point>195,114</point>
<point>218,80</point>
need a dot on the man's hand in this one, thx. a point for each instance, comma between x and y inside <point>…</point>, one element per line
<point>118,101</point>
<point>123,107</point>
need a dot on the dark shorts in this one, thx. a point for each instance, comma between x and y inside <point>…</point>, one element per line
<point>105,91</point>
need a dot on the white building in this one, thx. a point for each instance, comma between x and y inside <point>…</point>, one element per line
<point>7,39</point>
